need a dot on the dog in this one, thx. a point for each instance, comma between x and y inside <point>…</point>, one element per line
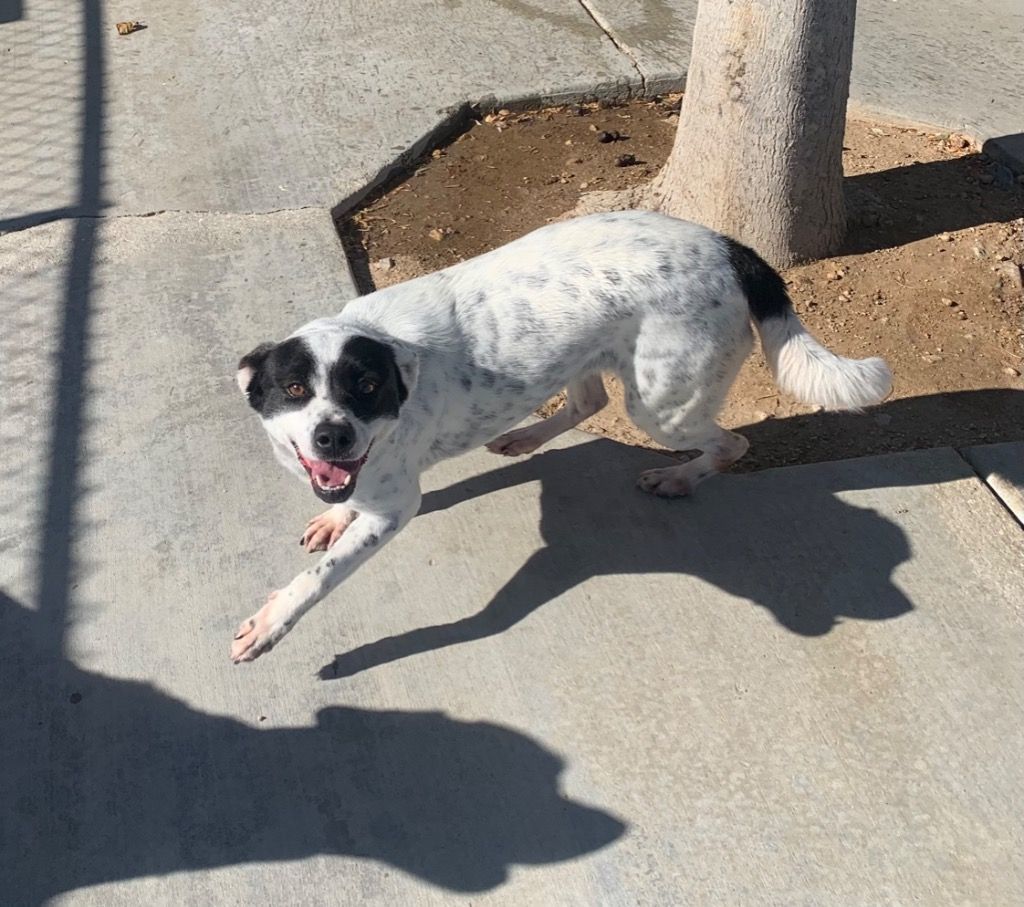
<point>361,403</point>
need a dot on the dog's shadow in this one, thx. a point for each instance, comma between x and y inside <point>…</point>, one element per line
<point>791,545</point>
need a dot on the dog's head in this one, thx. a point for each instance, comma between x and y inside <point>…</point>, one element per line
<point>325,396</point>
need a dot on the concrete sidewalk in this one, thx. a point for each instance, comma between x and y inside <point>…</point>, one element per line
<point>281,110</point>
<point>802,686</point>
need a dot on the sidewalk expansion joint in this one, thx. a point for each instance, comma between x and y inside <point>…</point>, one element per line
<point>995,494</point>
<point>624,49</point>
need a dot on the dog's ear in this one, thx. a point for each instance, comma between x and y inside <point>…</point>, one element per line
<point>249,367</point>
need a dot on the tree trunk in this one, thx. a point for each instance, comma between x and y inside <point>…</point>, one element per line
<point>758,152</point>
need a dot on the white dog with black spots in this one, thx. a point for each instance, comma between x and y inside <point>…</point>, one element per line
<point>361,403</point>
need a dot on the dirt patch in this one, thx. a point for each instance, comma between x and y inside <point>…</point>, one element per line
<point>929,279</point>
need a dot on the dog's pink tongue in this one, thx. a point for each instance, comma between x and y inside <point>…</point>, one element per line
<point>327,474</point>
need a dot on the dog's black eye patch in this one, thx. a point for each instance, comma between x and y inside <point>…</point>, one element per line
<point>276,369</point>
<point>365,380</point>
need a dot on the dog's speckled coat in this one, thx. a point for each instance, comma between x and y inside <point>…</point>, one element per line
<point>664,304</point>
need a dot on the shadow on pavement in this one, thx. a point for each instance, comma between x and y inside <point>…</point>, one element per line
<point>11,11</point>
<point>957,419</point>
<point>792,546</point>
<point>119,780</point>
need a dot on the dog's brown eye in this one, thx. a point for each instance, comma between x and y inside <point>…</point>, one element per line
<point>296,390</point>
<point>366,386</point>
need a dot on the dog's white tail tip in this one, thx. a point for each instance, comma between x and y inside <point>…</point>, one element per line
<point>812,374</point>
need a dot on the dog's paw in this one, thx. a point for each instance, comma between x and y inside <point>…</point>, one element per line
<point>324,530</point>
<point>671,482</point>
<point>516,443</point>
<point>258,634</point>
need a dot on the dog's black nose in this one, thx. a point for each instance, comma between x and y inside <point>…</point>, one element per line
<point>333,440</point>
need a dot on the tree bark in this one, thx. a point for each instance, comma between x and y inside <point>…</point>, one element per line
<point>758,151</point>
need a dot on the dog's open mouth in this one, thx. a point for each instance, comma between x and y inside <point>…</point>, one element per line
<point>333,481</point>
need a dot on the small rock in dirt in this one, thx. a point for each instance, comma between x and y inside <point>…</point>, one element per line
<point>605,137</point>
<point>436,153</point>
<point>584,185</point>
<point>126,28</point>
<point>946,301</point>
<point>1013,274</point>
<point>592,127</point>
<point>962,315</point>
<point>1011,371</point>
<point>439,233</point>
<point>946,237</point>
<point>384,264</point>
<point>760,415</point>
<point>625,160</point>
<point>931,358</point>
<point>577,111</point>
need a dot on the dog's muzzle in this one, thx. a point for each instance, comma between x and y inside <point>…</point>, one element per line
<point>333,481</point>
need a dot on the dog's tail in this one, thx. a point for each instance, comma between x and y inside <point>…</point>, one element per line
<point>802,367</point>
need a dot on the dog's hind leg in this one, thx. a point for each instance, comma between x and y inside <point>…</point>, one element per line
<point>718,450</point>
<point>585,397</point>
<point>676,399</point>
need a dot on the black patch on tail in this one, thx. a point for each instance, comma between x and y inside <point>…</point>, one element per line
<point>765,290</point>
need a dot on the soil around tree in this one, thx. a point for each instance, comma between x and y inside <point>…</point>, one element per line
<point>929,278</point>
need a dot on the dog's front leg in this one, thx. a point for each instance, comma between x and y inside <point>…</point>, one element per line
<point>325,529</point>
<point>363,538</point>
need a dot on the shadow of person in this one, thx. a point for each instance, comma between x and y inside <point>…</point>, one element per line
<point>792,546</point>
<point>108,779</point>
